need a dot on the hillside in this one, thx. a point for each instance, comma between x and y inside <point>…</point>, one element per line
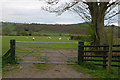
<point>45,28</point>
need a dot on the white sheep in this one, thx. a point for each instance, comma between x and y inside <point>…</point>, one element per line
<point>68,39</point>
<point>33,38</point>
<point>60,38</point>
<point>49,37</point>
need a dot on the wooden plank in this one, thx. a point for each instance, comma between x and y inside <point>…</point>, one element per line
<point>115,50</point>
<point>95,51</point>
<point>96,46</point>
<point>117,45</point>
<point>106,65</point>
<point>101,51</point>
<point>92,60</point>
<point>7,53</point>
<point>100,60</point>
<point>117,56</point>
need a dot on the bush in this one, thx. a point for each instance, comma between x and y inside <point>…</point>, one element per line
<point>79,37</point>
<point>92,37</point>
<point>24,33</point>
<point>6,60</point>
<point>89,65</point>
<point>45,35</point>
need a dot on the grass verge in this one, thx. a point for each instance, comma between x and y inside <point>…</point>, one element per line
<point>8,64</point>
<point>96,71</point>
<point>9,68</point>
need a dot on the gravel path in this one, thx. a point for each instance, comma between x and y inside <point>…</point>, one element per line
<point>55,71</point>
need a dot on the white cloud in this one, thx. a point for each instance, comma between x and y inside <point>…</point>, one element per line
<point>30,11</point>
<point>64,23</point>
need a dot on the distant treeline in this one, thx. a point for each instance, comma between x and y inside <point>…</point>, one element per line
<point>38,29</point>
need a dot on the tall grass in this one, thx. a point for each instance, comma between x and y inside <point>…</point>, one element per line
<point>96,71</point>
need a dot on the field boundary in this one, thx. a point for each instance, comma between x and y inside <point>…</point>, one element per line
<point>81,54</point>
<point>96,54</point>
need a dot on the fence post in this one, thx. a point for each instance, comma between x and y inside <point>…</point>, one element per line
<point>80,52</point>
<point>110,49</point>
<point>12,47</point>
<point>104,57</point>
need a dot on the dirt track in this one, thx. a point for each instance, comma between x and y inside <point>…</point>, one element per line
<point>55,71</point>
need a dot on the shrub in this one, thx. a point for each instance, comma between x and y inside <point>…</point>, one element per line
<point>89,65</point>
<point>79,37</point>
<point>6,60</point>
<point>45,35</point>
<point>92,37</point>
<point>24,33</point>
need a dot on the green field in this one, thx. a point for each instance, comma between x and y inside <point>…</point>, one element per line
<point>6,41</point>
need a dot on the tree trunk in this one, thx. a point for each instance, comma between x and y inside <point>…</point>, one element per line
<point>97,13</point>
<point>99,30</point>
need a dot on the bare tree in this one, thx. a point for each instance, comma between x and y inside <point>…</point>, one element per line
<point>94,11</point>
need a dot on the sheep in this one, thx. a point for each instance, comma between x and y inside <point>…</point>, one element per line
<point>49,37</point>
<point>60,38</point>
<point>33,38</point>
<point>68,39</point>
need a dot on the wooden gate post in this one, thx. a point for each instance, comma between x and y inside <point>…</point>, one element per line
<point>12,47</point>
<point>80,52</point>
<point>110,49</point>
<point>104,57</point>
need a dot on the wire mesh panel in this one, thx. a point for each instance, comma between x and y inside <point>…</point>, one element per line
<point>46,52</point>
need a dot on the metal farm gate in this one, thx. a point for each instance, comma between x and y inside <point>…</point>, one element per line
<point>58,53</point>
<point>46,52</point>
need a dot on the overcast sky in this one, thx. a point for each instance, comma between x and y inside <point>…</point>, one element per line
<point>29,11</point>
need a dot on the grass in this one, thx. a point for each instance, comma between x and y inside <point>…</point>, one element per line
<point>51,33</point>
<point>98,71</point>
<point>95,71</point>
<point>9,68</point>
<point>42,67</point>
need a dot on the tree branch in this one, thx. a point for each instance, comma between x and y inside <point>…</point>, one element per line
<point>113,3</point>
<point>111,16</point>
